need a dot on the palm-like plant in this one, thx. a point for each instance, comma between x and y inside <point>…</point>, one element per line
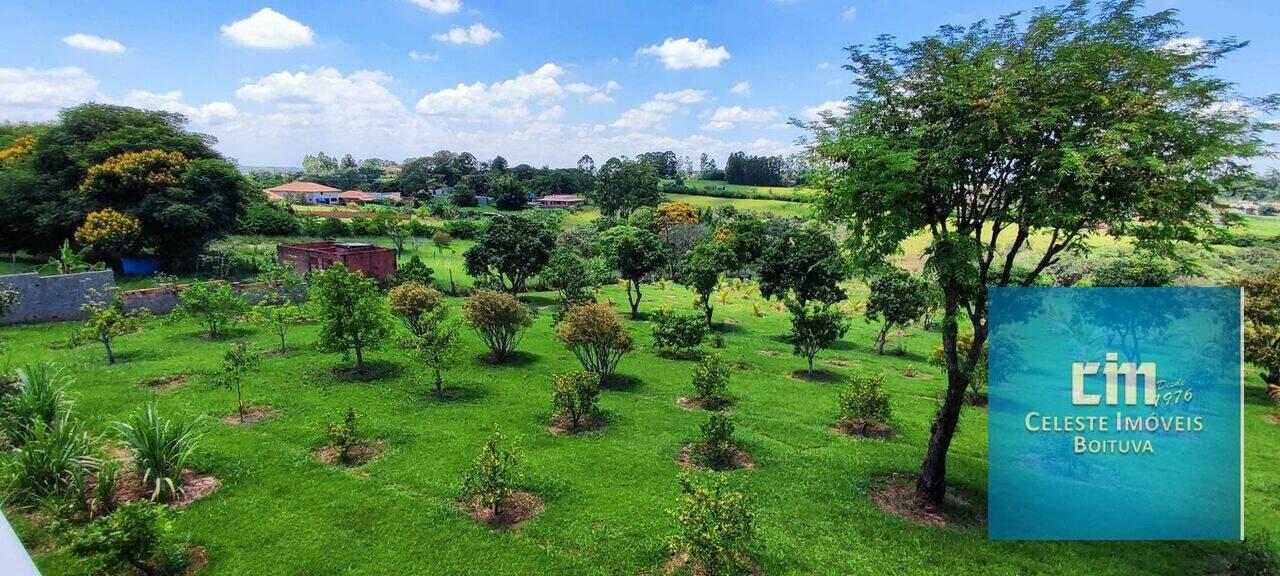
<point>52,461</point>
<point>161,448</point>
<point>40,400</point>
<point>69,261</point>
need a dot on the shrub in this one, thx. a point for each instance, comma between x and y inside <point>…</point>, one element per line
<point>463,228</point>
<point>710,379</point>
<point>109,232</point>
<point>815,327</point>
<point>1255,557</point>
<point>439,344</point>
<point>499,318</point>
<point>596,336</point>
<point>411,301</point>
<point>415,270</point>
<point>345,434</point>
<point>494,474</point>
<point>571,275</point>
<point>866,400</point>
<point>678,335</point>
<point>715,525</point>
<point>269,219</point>
<point>106,321</point>
<point>1133,273</point>
<point>442,241</point>
<point>897,298</point>
<point>574,396</point>
<point>37,398</point>
<point>715,444</point>
<point>278,318</point>
<point>334,228</point>
<point>161,448</point>
<point>52,461</point>
<point>139,534</point>
<point>239,359</point>
<point>216,308</point>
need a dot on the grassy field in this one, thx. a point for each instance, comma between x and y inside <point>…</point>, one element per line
<point>1264,226</point>
<point>280,511</point>
<point>779,190</point>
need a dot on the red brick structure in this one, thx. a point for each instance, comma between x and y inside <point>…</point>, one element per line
<point>375,262</point>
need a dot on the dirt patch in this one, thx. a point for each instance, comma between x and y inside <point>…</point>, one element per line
<point>980,402</point>
<point>194,487</point>
<point>356,456</point>
<point>675,565</point>
<point>915,374</point>
<point>694,404</point>
<point>561,426</point>
<point>895,494</point>
<point>866,429</point>
<point>769,353</point>
<point>164,383</point>
<point>740,460</point>
<point>1272,418</point>
<point>197,557</point>
<point>838,363</point>
<point>817,376</point>
<point>513,510</point>
<point>252,415</point>
<point>741,367</point>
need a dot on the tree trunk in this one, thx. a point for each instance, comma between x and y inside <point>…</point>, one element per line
<point>359,359</point>
<point>880,339</point>
<point>931,488</point>
<point>142,566</point>
<point>635,302</point>
<point>111,357</point>
<point>439,382</point>
<point>810,358</point>
<point>240,402</point>
<point>282,350</point>
<point>706,307</point>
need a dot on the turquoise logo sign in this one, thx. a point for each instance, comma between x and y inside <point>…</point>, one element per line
<point>1115,414</point>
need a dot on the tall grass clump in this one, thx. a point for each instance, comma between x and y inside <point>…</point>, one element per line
<point>161,448</point>
<point>51,464</point>
<point>38,397</point>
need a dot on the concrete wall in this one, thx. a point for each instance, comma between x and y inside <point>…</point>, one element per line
<point>55,298</point>
<point>164,299</point>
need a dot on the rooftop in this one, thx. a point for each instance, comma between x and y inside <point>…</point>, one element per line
<point>301,187</point>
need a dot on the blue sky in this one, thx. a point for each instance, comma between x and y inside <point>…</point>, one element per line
<point>540,81</point>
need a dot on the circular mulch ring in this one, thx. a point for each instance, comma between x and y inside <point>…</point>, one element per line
<point>740,460</point>
<point>866,429</point>
<point>563,427</point>
<point>162,384</point>
<point>356,455</point>
<point>194,486</point>
<point>252,415</point>
<point>1272,418</point>
<point>896,494</point>
<point>513,510</point>
<point>769,353</point>
<point>674,565</point>
<point>694,404</point>
<point>197,557</point>
<point>817,376</point>
<point>838,363</point>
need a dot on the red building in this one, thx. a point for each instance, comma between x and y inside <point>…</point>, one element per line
<point>374,262</point>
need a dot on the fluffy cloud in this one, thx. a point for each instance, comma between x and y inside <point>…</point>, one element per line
<point>849,14</point>
<point>1184,46</point>
<point>94,43</point>
<point>477,34</point>
<point>324,94</point>
<point>506,101</point>
<point>679,54</point>
<point>267,28</point>
<point>594,94</point>
<point>172,101</point>
<point>725,118</point>
<point>833,107</point>
<point>655,112</point>
<point>415,56</point>
<point>440,6</point>
<point>37,94</point>
<point>742,88</point>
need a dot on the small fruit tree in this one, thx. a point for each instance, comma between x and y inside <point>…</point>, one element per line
<point>239,360</point>
<point>866,401</point>
<point>814,327</point>
<point>353,314</point>
<point>715,525</point>
<point>105,321</point>
<point>596,336</point>
<point>574,396</point>
<point>898,298</point>
<point>216,307</point>
<point>412,301</point>
<point>139,534</point>
<point>500,320</point>
<point>710,380</point>
<point>494,474</point>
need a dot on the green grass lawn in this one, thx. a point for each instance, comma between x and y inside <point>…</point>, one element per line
<point>1264,226</point>
<point>779,190</point>
<point>779,207</point>
<point>280,511</point>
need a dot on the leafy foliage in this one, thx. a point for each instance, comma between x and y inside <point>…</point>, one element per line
<point>635,253</point>
<point>978,376</point>
<point>622,185</point>
<point>678,335</point>
<point>51,462</point>
<point>494,474</point>
<point>802,264</point>
<point>278,318</point>
<point>715,444</point>
<point>815,327</point>
<point>161,448</point>
<point>346,434</point>
<point>139,534</point>
<point>702,269</point>
<point>38,398</point>
<point>500,320</point>
<point>106,321</point>
<point>239,360</point>
<point>574,395</point>
<point>866,400</point>
<point>511,250</point>
<point>572,277</point>
<point>438,344</point>
<point>215,306</point>
<point>596,336</point>
<point>898,298</point>
<point>715,525</point>
<point>711,379</point>
<point>415,270</point>
<point>353,314</point>
<point>1133,273</point>
<point>1262,327</point>
<point>109,232</point>
<point>412,301</point>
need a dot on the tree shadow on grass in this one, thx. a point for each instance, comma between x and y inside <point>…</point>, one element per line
<point>727,328</point>
<point>818,375</point>
<point>516,359</point>
<point>539,300</point>
<point>373,370</point>
<point>622,383</point>
<point>133,355</point>
<point>454,393</point>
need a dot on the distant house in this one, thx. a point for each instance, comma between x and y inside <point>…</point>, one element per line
<point>441,190</point>
<point>560,201</point>
<point>374,262</point>
<point>391,170</point>
<point>357,197</point>
<point>305,193</point>
<point>273,196</point>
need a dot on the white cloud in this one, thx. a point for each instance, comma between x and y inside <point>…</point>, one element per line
<point>679,54</point>
<point>94,43</point>
<point>326,95</point>
<point>594,94</point>
<point>440,6</point>
<point>655,112</point>
<point>824,65</point>
<point>742,88</point>
<point>849,14</point>
<point>172,102</point>
<point>477,34</point>
<point>832,107</point>
<point>1188,45</point>
<point>267,28</point>
<point>31,94</point>
<point>506,101</point>
<point>551,114</point>
<point>725,118</point>
<point>686,96</point>
<point>423,57</point>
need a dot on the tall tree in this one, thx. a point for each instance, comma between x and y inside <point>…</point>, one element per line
<point>587,164</point>
<point>636,254</point>
<point>623,185</point>
<point>510,250</point>
<point>1056,126</point>
<point>353,315</point>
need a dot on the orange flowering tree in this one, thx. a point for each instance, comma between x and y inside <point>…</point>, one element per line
<point>131,176</point>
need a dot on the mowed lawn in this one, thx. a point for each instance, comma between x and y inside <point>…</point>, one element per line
<point>280,511</point>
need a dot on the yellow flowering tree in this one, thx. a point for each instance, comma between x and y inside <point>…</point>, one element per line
<point>109,232</point>
<point>131,176</point>
<point>20,147</point>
